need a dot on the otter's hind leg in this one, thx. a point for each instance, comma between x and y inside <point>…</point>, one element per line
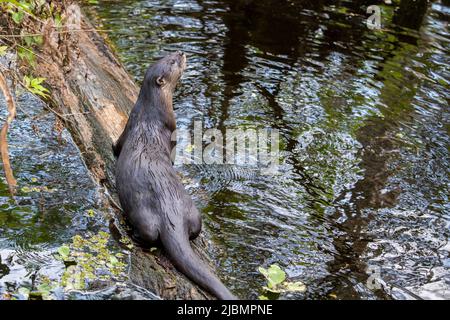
<point>146,228</point>
<point>194,222</point>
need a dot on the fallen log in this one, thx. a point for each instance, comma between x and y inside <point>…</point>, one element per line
<point>93,95</point>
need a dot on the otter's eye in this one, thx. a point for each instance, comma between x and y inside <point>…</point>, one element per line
<point>172,62</point>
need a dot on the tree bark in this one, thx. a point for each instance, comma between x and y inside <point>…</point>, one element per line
<point>93,93</point>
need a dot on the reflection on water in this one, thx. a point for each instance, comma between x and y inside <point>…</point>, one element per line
<point>364,120</point>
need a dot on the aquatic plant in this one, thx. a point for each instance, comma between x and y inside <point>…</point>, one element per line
<point>89,259</point>
<point>277,283</point>
<point>88,262</point>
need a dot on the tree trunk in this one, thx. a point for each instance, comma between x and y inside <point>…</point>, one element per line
<point>93,94</point>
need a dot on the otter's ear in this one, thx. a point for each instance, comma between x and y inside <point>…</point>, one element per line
<point>161,81</point>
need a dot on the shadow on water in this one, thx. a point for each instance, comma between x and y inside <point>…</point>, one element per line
<point>364,124</point>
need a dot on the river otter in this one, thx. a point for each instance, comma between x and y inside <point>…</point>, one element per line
<point>153,198</point>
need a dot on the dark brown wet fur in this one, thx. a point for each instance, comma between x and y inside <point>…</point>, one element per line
<point>152,196</point>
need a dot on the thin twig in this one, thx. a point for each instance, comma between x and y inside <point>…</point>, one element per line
<point>75,114</point>
<point>25,48</point>
<point>11,104</point>
<point>57,32</point>
<point>63,116</point>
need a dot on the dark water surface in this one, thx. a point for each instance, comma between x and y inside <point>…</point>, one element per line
<point>364,123</point>
<point>54,193</point>
<point>56,200</point>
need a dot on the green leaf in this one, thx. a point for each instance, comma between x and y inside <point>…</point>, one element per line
<point>58,21</point>
<point>276,281</point>
<point>274,289</point>
<point>113,260</point>
<point>18,17</point>
<point>91,213</point>
<point>21,5</point>
<point>264,272</point>
<point>39,40</point>
<point>295,287</point>
<point>26,189</point>
<point>64,252</point>
<point>34,86</point>
<point>263,298</point>
<point>73,279</point>
<point>28,41</point>
<point>275,275</point>
<point>3,50</point>
<point>24,291</point>
<point>37,81</point>
<point>27,55</point>
<point>26,81</point>
<point>45,290</point>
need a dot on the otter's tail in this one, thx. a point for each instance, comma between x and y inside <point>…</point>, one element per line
<point>186,261</point>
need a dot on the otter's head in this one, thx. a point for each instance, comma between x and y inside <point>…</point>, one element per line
<point>166,72</point>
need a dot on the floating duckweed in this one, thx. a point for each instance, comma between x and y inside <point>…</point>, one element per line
<point>64,252</point>
<point>90,213</point>
<point>127,242</point>
<point>45,288</point>
<point>27,189</point>
<point>92,260</point>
